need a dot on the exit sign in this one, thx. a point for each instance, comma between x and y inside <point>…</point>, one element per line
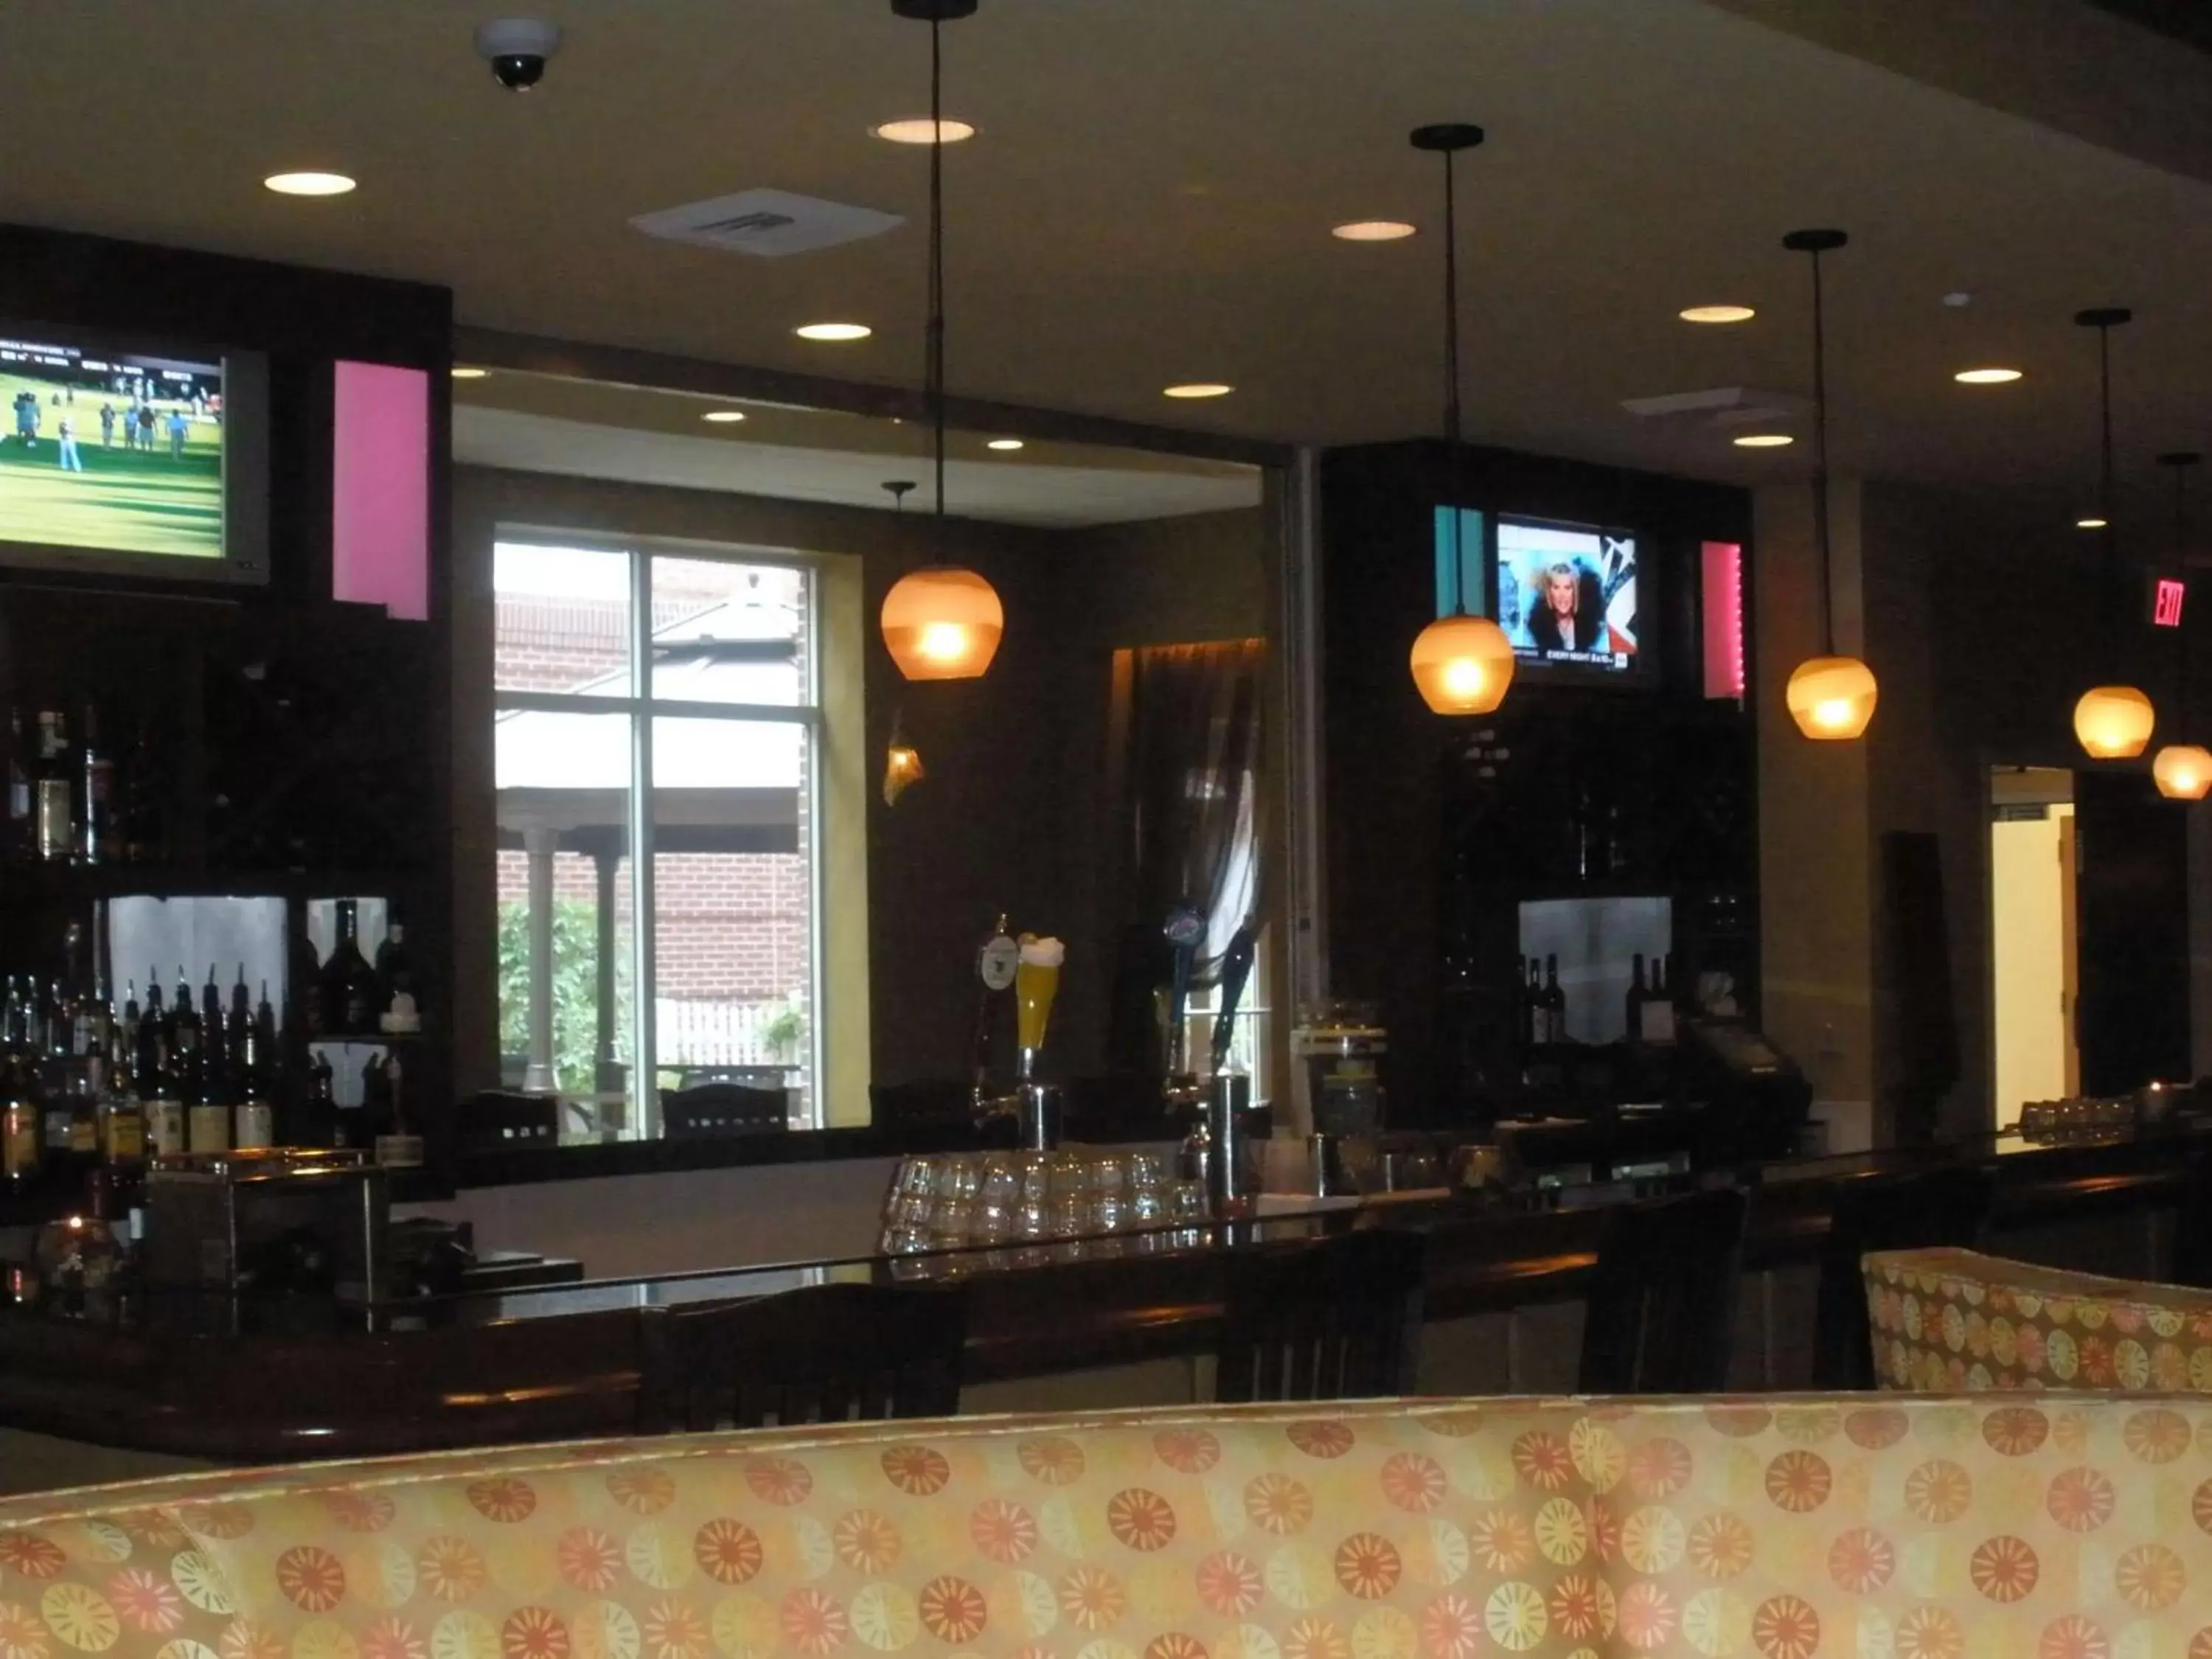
<point>2166,596</point>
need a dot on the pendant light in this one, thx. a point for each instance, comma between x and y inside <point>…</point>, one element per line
<point>902,767</point>
<point>2183,771</point>
<point>1830,697</point>
<point>941,621</point>
<point>2113,722</point>
<point>1462,665</point>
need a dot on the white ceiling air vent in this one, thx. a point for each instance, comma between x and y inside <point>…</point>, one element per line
<point>767,223</point>
<point>1726,405</point>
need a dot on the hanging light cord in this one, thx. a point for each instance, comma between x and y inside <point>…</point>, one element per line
<point>2112,532</point>
<point>1451,383</point>
<point>2181,466</point>
<point>1821,461</point>
<point>935,369</point>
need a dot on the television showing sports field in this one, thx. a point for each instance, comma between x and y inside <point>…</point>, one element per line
<point>1567,596</point>
<point>138,457</point>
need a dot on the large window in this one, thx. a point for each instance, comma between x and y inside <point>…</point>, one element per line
<point>658,744</point>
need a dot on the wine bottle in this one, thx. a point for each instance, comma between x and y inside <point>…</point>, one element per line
<point>214,1046</point>
<point>1555,1002</point>
<point>253,1122</point>
<point>54,792</point>
<point>395,972</point>
<point>94,827</point>
<point>153,1030</point>
<point>349,983</point>
<point>1633,1025</point>
<point>22,836</point>
<point>327,1122</point>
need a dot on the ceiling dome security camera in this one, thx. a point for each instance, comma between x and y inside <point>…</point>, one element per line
<point>517,48</point>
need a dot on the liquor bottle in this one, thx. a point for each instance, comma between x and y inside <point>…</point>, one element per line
<point>164,1098</point>
<point>395,970</point>
<point>1633,1025</point>
<point>22,837</point>
<point>21,1131</point>
<point>1555,1003</point>
<point>95,824</point>
<point>349,983</point>
<point>267,1045</point>
<point>153,1030</point>
<point>254,1121</point>
<point>204,1080</point>
<point>53,790</point>
<point>122,1114</point>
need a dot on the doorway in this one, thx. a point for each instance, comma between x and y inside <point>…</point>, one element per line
<point>2034,947</point>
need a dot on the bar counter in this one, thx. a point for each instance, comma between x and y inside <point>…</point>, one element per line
<point>232,1380</point>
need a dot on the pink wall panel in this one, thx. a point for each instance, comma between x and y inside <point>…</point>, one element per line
<point>380,511</point>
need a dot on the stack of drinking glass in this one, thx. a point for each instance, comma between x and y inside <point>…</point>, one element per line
<point>952,1201</point>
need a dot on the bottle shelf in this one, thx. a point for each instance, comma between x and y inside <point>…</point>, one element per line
<point>44,882</point>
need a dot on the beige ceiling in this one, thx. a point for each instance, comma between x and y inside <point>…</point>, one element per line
<point>548,424</point>
<point>1150,198</point>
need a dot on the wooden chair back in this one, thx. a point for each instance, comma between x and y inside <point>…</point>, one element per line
<point>829,1353</point>
<point>713,1110</point>
<point>1660,1314</point>
<point>1339,1319</point>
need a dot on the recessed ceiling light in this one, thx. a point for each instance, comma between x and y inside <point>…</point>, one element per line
<point>724,416</point>
<point>1373,230</point>
<point>309,183</point>
<point>915,130</point>
<point>833,331</point>
<point>1986,376</point>
<point>1198,389</point>
<point>2089,523</point>
<point>1004,443</point>
<point>468,372</point>
<point>1718,313</point>
<point>1763,440</point>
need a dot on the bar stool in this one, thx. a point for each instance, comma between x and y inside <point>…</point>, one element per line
<point>1336,1319</point>
<point>1946,1206</point>
<point>831,1353</point>
<point>1659,1315</point>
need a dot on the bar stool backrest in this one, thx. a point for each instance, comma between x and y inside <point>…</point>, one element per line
<point>1947,1206</point>
<point>830,1353</point>
<point>1659,1315</point>
<point>1336,1319</point>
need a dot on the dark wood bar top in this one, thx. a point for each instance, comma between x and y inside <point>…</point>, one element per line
<point>236,1380</point>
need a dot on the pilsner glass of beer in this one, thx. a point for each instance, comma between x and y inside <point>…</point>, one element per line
<point>1037,981</point>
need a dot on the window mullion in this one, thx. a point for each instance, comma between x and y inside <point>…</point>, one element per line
<point>644,1010</point>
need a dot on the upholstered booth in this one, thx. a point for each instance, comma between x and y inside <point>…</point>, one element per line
<point>1955,1319</point>
<point>1790,1528</point>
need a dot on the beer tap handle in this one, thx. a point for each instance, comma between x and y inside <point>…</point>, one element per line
<point>1235,972</point>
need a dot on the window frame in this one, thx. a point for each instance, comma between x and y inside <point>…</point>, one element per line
<point>641,709</point>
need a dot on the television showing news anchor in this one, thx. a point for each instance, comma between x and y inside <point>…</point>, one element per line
<point>1568,595</point>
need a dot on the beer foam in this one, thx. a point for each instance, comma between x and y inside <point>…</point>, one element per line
<point>1043,952</point>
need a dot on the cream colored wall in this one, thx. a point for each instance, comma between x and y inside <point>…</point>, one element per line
<point>1815,849</point>
<point>2027,950</point>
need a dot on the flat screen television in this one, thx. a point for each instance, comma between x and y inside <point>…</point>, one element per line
<point>140,456</point>
<point>1568,599</point>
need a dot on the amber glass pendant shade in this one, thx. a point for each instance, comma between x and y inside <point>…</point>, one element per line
<point>2183,771</point>
<point>2114,722</point>
<point>1832,698</point>
<point>942,623</point>
<point>1462,665</point>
